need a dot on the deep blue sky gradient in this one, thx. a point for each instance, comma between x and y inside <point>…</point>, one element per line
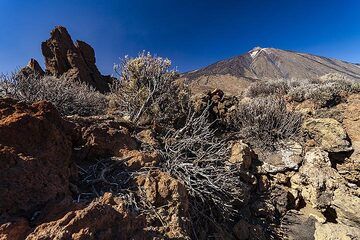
<point>193,33</point>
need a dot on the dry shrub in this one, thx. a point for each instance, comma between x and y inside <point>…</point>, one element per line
<point>326,93</point>
<point>197,157</point>
<point>146,89</point>
<point>70,97</point>
<point>258,89</point>
<point>264,121</point>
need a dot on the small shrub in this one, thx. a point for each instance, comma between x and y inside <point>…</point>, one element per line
<point>265,121</point>
<point>70,97</point>
<point>327,93</point>
<point>196,157</point>
<point>146,87</point>
<point>257,89</point>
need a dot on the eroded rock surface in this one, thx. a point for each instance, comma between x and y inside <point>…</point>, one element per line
<point>105,218</point>
<point>328,133</point>
<point>34,156</point>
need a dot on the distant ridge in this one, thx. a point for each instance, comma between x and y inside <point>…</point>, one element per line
<point>260,64</point>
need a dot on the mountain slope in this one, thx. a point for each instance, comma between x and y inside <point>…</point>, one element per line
<point>234,74</point>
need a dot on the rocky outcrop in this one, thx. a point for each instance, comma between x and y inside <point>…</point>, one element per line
<point>316,179</point>
<point>33,69</point>
<point>328,134</point>
<point>332,231</point>
<point>350,166</point>
<point>72,61</point>
<point>34,156</point>
<point>169,200</point>
<point>327,195</point>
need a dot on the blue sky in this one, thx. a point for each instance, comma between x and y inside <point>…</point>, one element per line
<point>191,33</point>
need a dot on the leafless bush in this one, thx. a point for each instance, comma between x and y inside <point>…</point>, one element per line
<point>277,87</point>
<point>146,87</point>
<point>196,157</point>
<point>264,121</point>
<point>70,97</point>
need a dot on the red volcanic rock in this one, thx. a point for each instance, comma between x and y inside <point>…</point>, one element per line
<point>15,229</point>
<point>34,156</point>
<point>106,218</point>
<point>99,136</point>
<point>74,61</point>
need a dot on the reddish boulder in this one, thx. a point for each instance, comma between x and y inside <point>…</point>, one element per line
<point>170,203</point>
<point>74,61</point>
<point>105,218</point>
<point>100,136</point>
<point>34,156</point>
<point>15,229</point>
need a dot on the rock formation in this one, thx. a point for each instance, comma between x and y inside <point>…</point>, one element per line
<point>75,61</point>
<point>33,69</point>
<point>64,58</point>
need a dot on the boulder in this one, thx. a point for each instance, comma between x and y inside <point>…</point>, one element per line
<point>169,199</point>
<point>221,106</point>
<point>316,179</point>
<point>288,156</point>
<point>74,61</point>
<point>346,204</point>
<point>100,137</point>
<point>34,156</point>
<point>15,229</point>
<point>105,218</point>
<point>333,231</point>
<point>241,154</point>
<point>139,159</point>
<point>147,138</point>
<point>298,226</point>
<point>328,134</point>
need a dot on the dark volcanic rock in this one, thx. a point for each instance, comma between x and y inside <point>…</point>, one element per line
<point>74,61</point>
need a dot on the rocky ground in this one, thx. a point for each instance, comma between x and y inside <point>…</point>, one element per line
<point>50,188</point>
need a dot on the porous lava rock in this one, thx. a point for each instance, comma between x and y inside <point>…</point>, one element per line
<point>34,156</point>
